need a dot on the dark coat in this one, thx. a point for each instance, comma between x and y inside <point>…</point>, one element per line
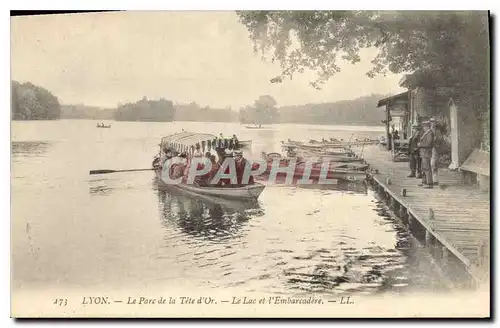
<point>426,144</point>
<point>413,143</point>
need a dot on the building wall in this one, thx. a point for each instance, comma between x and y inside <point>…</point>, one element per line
<point>470,130</point>
<point>426,103</point>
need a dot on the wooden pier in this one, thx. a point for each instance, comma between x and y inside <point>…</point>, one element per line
<point>452,220</point>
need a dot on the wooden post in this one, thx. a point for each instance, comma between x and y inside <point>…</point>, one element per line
<point>405,215</point>
<point>396,207</point>
<point>428,239</point>
<point>402,211</point>
<point>445,255</point>
<point>387,123</point>
<point>411,221</point>
<point>482,253</point>
<point>431,219</point>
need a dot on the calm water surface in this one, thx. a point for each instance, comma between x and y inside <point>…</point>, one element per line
<point>70,229</point>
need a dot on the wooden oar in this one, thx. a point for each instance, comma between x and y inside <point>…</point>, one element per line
<point>116,171</point>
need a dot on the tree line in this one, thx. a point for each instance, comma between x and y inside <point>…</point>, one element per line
<point>32,102</point>
<point>146,110</point>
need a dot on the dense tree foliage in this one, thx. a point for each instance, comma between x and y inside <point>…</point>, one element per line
<point>146,110</point>
<point>362,111</point>
<point>263,111</point>
<point>195,112</point>
<point>81,111</point>
<point>452,44</point>
<point>32,102</point>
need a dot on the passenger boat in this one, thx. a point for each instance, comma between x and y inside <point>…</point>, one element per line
<point>190,142</point>
<point>245,143</point>
<point>103,126</point>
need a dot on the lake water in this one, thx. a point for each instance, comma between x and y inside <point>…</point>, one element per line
<point>70,229</point>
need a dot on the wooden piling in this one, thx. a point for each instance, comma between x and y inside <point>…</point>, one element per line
<point>452,220</point>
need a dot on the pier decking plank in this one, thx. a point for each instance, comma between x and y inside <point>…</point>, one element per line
<point>461,219</point>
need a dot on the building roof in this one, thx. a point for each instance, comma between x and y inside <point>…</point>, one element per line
<point>430,78</point>
<point>391,99</point>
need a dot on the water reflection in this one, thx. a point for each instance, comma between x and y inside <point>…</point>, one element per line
<point>348,187</point>
<point>207,218</point>
<point>352,267</point>
<point>100,187</point>
<point>29,148</point>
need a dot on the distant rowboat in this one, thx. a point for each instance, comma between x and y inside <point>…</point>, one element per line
<point>254,126</point>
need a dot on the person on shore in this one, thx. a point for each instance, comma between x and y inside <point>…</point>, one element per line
<point>413,152</point>
<point>425,145</point>
<point>438,137</point>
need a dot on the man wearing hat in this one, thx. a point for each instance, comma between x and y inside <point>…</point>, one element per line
<point>415,159</point>
<point>425,145</point>
<point>228,156</point>
<point>241,163</point>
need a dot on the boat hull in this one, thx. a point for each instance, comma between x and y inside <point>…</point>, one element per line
<point>245,143</point>
<point>252,191</point>
<point>343,172</point>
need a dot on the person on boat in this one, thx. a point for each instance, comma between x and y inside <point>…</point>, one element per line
<point>206,160</point>
<point>179,162</point>
<point>241,163</point>
<point>198,180</point>
<point>213,171</point>
<point>228,156</point>
<point>220,155</point>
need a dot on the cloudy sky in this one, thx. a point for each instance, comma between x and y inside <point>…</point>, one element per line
<point>106,58</point>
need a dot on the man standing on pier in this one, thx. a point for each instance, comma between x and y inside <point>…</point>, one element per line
<point>415,159</point>
<point>425,146</point>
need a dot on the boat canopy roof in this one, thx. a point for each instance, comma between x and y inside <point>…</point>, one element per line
<point>187,141</point>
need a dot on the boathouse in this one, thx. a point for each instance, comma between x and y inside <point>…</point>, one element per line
<point>396,117</point>
<point>458,110</point>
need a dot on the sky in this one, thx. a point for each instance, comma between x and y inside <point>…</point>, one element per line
<point>103,59</point>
